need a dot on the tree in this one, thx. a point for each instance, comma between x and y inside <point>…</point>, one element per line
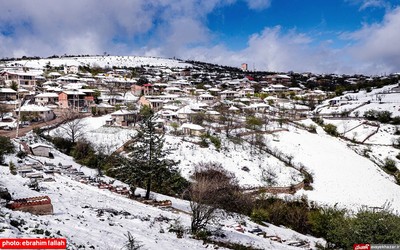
<point>14,85</point>
<point>226,118</point>
<point>6,147</point>
<point>146,163</point>
<point>3,110</point>
<point>73,127</point>
<point>253,122</point>
<point>214,188</point>
<point>146,112</point>
<point>131,243</point>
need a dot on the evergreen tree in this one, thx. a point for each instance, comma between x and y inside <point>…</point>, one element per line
<point>146,164</point>
<point>6,147</point>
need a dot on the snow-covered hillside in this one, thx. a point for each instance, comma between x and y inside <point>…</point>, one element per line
<point>336,167</point>
<point>93,218</point>
<point>102,61</point>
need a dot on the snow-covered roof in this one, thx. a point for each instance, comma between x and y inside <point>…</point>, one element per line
<point>233,108</point>
<point>46,95</point>
<point>192,126</point>
<point>123,112</point>
<point>54,74</point>
<point>34,108</point>
<point>206,95</point>
<point>7,90</point>
<point>73,92</point>
<point>36,145</point>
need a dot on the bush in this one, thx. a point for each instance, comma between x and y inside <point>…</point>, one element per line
<point>318,120</point>
<point>331,129</point>
<point>13,169</point>
<point>216,141</point>
<point>292,214</point>
<point>384,116</point>
<point>63,144</point>
<point>342,231</point>
<point>21,154</point>
<point>390,165</point>
<point>259,215</point>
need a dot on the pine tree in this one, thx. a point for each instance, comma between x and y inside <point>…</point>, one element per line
<point>146,164</point>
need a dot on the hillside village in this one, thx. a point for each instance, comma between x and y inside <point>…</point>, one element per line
<point>279,133</point>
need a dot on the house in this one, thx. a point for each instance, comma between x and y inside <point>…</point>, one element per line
<point>284,79</point>
<point>124,117</point>
<point>40,149</point>
<point>154,103</point>
<point>40,205</point>
<point>25,79</point>
<point>104,108</point>
<point>192,129</point>
<point>227,94</point>
<point>46,98</point>
<point>146,89</point>
<point>7,94</point>
<point>72,99</point>
<point>72,69</point>
<point>35,113</point>
<point>206,97</point>
<point>275,88</point>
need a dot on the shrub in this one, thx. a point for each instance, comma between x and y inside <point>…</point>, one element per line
<point>318,120</point>
<point>63,144</point>
<point>216,141</point>
<point>21,154</point>
<point>384,116</point>
<point>390,165</point>
<point>331,129</point>
<point>259,215</point>
<point>13,169</point>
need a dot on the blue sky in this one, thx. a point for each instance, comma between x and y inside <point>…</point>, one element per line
<point>323,36</point>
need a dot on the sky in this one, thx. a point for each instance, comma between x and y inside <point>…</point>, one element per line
<point>329,36</point>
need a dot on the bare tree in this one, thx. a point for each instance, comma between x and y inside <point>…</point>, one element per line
<point>73,125</point>
<point>213,188</point>
<point>226,118</point>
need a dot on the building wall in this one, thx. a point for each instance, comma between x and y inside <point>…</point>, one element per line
<point>41,151</point>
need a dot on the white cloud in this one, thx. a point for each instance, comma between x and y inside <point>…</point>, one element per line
<point>179,28</point>
<point>258,4</point>
<point>365,4</point>
<point>372,3</point>
<point>376,45</point>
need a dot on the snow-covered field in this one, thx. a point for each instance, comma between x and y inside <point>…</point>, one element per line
<point>102,61</point>
<point>105,138</point>
<point>341,176</point>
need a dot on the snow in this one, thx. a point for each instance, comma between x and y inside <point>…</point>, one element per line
<point>341,176</point>
<point>78,218</point>
<point>103,61</point>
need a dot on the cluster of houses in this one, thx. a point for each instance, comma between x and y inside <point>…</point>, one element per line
<point>37,95</point>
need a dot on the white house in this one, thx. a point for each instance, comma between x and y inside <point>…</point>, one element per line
<point>192,129</point>
<point>41,149</point>
<point>36,113</point>
<point>46,98</point>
